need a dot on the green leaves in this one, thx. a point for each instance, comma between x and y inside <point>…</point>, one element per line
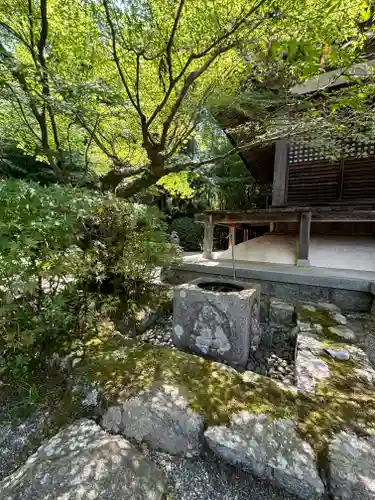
<point>63,251</point>
<point>123,84</point>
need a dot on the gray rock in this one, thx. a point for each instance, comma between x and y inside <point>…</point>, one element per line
<point>308,307</point>
<point>309,368</point>
<point>66,363</point>
<point>303,326</point>
<point>317,328</point>
<point>352,466</point>
<point>87,393</point>
<point>270,450</point>
<point>329,307</point>
<point>343,332</point>
<point>160,417</point>
<point>363,369</point>
<point>339,318</point>
<point>83,462</point>
<point>251,377</point>
<point>221,325</point>
<point>208,478</point>
<point>111,420</point>
<point>309,371</point>
<point>281,313</point>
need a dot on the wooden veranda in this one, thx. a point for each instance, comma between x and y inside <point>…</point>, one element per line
<point>303,216</point>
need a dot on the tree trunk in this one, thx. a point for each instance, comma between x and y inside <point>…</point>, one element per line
<point>133,187</point>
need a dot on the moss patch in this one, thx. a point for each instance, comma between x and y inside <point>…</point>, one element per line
<point>344,400</point>
<point>320,317</point>
<point>124,369</point>
<point>323,318</point>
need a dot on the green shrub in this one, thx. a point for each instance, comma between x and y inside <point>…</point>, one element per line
<point>190,233</point>
<point>68,256</point>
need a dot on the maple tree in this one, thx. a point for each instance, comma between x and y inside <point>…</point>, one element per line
<point>120,86</point>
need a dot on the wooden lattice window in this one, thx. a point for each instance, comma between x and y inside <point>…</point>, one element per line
<point>298,153</point>
<point>313,179</point>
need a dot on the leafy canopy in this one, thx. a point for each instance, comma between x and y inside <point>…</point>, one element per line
<point>123,83</point>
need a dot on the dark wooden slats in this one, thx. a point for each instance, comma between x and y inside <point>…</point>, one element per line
<point>311,182</point>
<point>312,179</point>
<point>359,179</point>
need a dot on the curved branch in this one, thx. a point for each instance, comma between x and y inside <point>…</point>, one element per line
<point>171,39</point>
<point>113,178</point>
<point>133,187</point>
<point>191,78</point>
<point>202,54</point>
<point>15,34</point>
<point>116,57</point>
<point>95,138</point>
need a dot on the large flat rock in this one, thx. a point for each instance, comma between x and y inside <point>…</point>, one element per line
<point>160,416</point>
<point>322,327</point>
<point>82,462</point>
<point>269,449</point>
<point>352,466</point>
<point>310,368</point>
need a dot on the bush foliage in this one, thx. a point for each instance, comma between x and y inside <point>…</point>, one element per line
<point>189,232</point>
<point>65,256</point>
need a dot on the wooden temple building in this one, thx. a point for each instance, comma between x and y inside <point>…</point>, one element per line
<point>317,231</point>
<point>311,195</point>
<point>319,242</point>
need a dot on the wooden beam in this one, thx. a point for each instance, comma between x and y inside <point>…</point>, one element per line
<point>266,216</point>
<point>304,239</point>
<point>208,240</point>
<point>244,218</point>
<point>280,173</point>
<point>345,216</point>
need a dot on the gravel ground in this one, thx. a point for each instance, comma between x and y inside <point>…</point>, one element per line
<point>160,333</point>
<point>208,479</point>
<point>18,441</point>
<point>275,361</point>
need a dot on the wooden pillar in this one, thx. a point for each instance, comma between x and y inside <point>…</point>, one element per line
<point>208,241</point>
<point>304,239</point>
<point>245,234</point>
<point>232,235</point>
<point>279,189</point>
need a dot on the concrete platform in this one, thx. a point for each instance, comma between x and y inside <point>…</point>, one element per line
<point>350,290</point>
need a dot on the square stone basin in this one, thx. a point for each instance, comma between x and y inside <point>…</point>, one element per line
<point>218,319</point>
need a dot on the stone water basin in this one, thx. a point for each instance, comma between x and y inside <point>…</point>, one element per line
<point>218,319</point>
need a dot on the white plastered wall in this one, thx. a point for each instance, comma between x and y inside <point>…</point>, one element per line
<point>338,252</point>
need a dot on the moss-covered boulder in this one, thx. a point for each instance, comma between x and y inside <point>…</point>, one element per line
<point>122,369</point>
